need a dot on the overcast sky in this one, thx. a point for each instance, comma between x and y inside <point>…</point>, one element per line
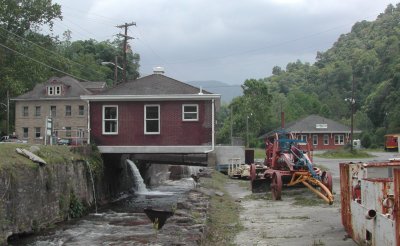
<point>224,40</point>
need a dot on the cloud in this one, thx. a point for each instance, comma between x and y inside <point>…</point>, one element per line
<point>207,39</point>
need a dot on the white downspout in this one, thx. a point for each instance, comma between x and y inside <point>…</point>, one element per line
<point>88,121</point>
<point>212,127</point>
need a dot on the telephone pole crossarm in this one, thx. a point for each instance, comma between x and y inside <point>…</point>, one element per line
<point>126,37</point>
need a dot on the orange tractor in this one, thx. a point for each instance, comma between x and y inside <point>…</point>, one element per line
<point>288,163</point>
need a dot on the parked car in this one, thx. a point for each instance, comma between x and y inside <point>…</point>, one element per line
<point>11,139</point>
<point>64,141</point>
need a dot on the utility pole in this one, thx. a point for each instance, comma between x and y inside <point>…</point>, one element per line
<point>231,125</point>
<point>126,37</point>
<point>352,113</point>
<point>8,112</point>
<point>116,71</point>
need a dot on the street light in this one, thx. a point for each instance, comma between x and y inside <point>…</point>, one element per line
<point>7,106</point>
<point>247,129</point>
<point>116,67</point>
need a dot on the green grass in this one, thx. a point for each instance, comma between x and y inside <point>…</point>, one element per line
<point>345,154</point>
<point>51,154</point>
<point>259,153</point>
<point>223,221</point>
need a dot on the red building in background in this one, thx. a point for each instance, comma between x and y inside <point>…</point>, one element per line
<point>321,133</point>
<point>154,114</point>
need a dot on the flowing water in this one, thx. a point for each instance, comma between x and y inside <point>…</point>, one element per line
<point>93,186</point>
<point>140,186</point>
<point>120,223</point>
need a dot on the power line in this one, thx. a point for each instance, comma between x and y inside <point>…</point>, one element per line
<point>50,51</point>
<point>42,63</point>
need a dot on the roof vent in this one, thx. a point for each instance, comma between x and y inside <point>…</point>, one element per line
<point>158,70</point>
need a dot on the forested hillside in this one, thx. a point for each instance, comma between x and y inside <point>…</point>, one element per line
<point>369,55</point>
<point>28,57</point>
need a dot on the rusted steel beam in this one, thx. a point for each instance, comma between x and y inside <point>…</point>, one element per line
<point>345,194</point>
<point>396,212</point>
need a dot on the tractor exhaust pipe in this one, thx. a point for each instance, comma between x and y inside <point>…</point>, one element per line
<point>371,214</point>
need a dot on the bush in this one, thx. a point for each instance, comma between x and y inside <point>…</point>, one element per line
<point>366,140</point>
<point>76,208</point>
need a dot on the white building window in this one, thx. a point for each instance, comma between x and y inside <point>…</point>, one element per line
<point>25,132</point>
<point>315,139</point>
<point>54,90</point>
<point>25,111</point>
<point>37,132</point>
<point>57,90</point>
<point>38,111</point>
<point>53,111</point>
<point>302,137</point>
<point>110,119</point>
<point>50,90</point>
<point>190,112</point>
<point>81,110</point>
<point>68,110</point>
<point>68,131</point>
<point>339,139</point>
<point>152,119</point>
<point>326,139</point>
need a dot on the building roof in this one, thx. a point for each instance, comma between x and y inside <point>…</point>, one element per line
<point>154,86</point>
<point>316,124</point>
<point>96,85</point>
<point>73,90</point>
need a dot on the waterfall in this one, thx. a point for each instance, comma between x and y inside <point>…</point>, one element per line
<point>94,191</point>
<point>140,186</point>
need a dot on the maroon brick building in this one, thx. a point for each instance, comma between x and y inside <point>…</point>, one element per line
<point>153,114</point>
<point>321,133</point>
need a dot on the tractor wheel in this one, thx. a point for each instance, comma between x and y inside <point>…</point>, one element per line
<point>326,179</point>
<point>276,186</point>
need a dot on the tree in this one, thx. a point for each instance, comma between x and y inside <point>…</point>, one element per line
<point>18,21</point>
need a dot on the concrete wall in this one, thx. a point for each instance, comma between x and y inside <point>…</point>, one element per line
<point>224,154</point>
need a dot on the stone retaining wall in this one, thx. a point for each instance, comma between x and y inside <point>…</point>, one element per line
<point>34,197</point>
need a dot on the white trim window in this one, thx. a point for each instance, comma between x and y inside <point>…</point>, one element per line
<point>81,110</point>
<point>38,132</point>
<point>54,90</point>
<point>68,132</point>
<point>25,132</point>
<point>315,139</point>
<point>302,137</point>
<point>57,90</point>
<point>68,110</point>
<point>152,119</point>
<point>38,110</point>
<point>53,111</point>
<point>326,139</point>
<point>110,119</point>
<point>50,90</point>
<point>339,139</point>
<point>25,111</point>
<point>190,112</point>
